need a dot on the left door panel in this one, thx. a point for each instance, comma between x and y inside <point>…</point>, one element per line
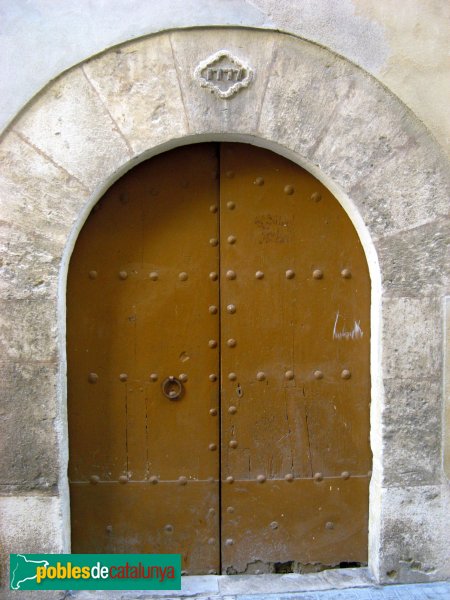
<point>143,305</point>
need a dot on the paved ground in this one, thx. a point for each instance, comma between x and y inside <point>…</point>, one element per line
<point>339,584</point>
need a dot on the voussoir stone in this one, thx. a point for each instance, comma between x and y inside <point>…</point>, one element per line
<point>36,193</point>
<point>205,111</point>
<point>70,124</point>
<point>139,84</point>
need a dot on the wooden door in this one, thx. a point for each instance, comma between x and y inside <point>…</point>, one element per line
<point>218,360</point>
<point>295,375</point>
<point>143,281</point>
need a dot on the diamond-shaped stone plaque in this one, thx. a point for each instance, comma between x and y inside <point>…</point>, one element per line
<point>223,74</point>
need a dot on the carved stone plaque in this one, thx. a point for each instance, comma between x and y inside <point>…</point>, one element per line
<point>223,74</point>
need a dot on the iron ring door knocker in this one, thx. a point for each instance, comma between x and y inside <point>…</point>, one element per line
<point>172,388</point>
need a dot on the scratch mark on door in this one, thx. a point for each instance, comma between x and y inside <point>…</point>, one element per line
<point>355,334</point>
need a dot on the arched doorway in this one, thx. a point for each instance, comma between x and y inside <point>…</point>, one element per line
<point>218,360</point>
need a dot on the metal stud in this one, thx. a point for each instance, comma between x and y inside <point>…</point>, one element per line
<point>259,274</point>
<point>231,239</point>
<point>153,276</point>
<point>346,273</point>
<point>261,478</point>
<point>230,174</point>
<point>230,510</point>
<point>109,528</point>
<point>182,480</point>
<point>231,343</point>
<point>153,377</point>
<point>346,374</point>
<point>211,512</point>
<point>183,377</point>
<point>316,197</point>
<point>183,276</point>
<point>345,474</point>
<point>231,308</point>
<point>94,479</point>
<point>229,542</point>
<point>153,479</point>
<point>318,476</point>
<point>289,190</point>
<point>274,525</point>
<point>289,375</point>
<point>92,274</point>
<point>229,479</point>
<point>318,374</point>
<point>289,477</point>
<point>92,377</point>
<point>213,276</point>
<point>260,376</point>
<point>213,208</point>
<point>231,275</point>
<point>329,525</point>
<point>233,444</point>
<point>214,241</point>
<point>123,377</point>
<point>213,412</point>
<point>213,377</point>
<point>231,205</point>
<point>232,410</point>
<point>212,310</point>
<point>123,479</point>
<point>123,275</point>
<point>212,447</point>
<point>232,376</point>
<point>259,181</point>
<point>212,344</point>
<point>212,572</point>
<point>168,528</point>
<point>211,541</point>
<point>210,479</point>
<point>184,572</point>
<point>290,274</point>
<point>318,274</point>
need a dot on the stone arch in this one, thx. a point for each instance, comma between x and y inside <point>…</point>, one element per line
<point>102,117</point>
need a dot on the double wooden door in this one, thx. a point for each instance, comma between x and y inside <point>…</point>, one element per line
<point>218,367</point>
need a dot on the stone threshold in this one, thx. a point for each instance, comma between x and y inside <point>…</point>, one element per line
<point>202,587</point>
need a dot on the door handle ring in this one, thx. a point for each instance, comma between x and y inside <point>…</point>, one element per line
<point>172,388</point>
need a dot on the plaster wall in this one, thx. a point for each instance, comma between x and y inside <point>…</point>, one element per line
<point>98,120</point>
<point>405,45</point>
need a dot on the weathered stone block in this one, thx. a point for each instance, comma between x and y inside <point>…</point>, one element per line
<point>349,158</point>
<point>414,530</point>
<point>412,338</point>
<point>409,188</point>
<point>29,264</point>
<point>28,329</point>
<point>37,193</point>
<point>31,524</point>
<point>28,426</point>
<point>141,76</point>
<point>69,123</point>
<point>412,432</point>
<point>305,81</point>
<point>415,262</point>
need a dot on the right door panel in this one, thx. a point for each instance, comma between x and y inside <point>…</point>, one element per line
<point>295,334</point>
